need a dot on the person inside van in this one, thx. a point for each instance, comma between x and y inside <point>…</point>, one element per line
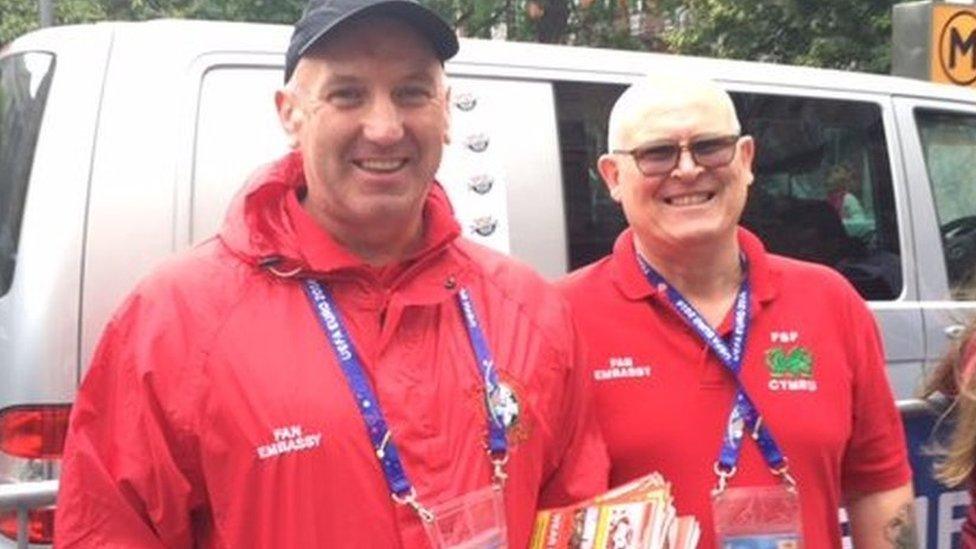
<point>954,378</point>
<point>749,380</point>
<point>330,370</point>
<point>841,185</point>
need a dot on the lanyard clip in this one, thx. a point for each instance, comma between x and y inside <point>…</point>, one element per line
<point>410,500</point>
<point>756,427</point>
<point>724,474</point>
<point>783,472</point>
<point>498,462</point>
<point>381,451</point>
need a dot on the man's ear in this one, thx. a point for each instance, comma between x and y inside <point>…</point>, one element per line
<point>290,115</point>
<point>747,153</point>
<point>447,116</point>
<point>610,172</point>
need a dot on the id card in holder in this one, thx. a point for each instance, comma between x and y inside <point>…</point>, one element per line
<point>758,517</point>
<point>474,520</point>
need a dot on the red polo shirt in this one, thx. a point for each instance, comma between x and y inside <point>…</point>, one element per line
<point>663,398</point>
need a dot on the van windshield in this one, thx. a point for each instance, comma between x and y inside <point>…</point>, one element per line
<point>24,82</point>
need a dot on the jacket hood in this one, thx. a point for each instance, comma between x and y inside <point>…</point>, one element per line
<point>259,229</point>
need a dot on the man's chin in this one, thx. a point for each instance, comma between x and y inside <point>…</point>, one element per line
<point>702,235</point>
<point>391,209</point>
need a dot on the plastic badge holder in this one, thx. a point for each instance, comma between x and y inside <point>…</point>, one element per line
<point>758,517</point>
<point>474,520</point>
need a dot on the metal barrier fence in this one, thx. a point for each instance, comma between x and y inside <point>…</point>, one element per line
<point>22,497</point>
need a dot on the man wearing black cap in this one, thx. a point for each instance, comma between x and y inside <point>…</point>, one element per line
<point>338,367</point>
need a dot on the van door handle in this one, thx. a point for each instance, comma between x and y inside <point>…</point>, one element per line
<point>935,405</point>
<point>954,331</point>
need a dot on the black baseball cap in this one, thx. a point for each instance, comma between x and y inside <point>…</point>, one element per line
<point>323,17</point>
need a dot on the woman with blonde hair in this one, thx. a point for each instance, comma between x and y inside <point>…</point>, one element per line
<point>954,378</point>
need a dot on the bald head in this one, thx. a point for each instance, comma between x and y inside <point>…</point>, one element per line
<point>678,166</point>
<point>645,101</point>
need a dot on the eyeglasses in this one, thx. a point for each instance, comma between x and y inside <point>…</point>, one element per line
<point>659,159</point>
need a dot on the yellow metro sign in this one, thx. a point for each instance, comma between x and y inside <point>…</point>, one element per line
<point>953,44</point>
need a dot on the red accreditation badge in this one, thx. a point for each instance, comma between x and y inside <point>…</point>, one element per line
<point>475,520</point>
<point>758,517</point>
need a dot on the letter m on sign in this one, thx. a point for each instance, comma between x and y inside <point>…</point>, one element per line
<point>964,47</point>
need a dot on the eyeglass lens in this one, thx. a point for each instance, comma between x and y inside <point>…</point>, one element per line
<point>707,153</point>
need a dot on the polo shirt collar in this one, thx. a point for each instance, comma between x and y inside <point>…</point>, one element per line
<point>630,280</point>
<point>625,271</point>
<point>763,277</point>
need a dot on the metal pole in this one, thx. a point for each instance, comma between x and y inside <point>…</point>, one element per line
<point>22,528</point>
<point>28,494</point>
<point>47,12</point>
<point>24,496</point>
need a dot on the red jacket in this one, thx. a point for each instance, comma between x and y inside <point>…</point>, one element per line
<point>218,355</point>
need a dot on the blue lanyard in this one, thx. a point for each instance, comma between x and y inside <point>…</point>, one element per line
<point>744,414</point>
<point>345,351</point>
<point>497,443</point>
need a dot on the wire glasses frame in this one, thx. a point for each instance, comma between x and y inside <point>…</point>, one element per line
<point>661,158</point>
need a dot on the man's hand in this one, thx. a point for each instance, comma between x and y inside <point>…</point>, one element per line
<point>884,519</point>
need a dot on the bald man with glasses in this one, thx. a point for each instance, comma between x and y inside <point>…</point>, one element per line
<point>749,380</point>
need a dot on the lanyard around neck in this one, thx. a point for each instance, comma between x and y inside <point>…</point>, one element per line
<point>744,414</point>
<point>401,490</point>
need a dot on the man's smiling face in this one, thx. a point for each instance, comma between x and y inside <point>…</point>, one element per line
<point>371,115</point>
<point>688,204</point>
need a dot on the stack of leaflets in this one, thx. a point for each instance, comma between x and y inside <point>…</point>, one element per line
<point>637,515</point>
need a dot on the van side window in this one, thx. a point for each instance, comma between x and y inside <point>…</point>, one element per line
<point>593,219</point>
<point>949,147</point>
<point>823,190</point>
<point>25,79</point>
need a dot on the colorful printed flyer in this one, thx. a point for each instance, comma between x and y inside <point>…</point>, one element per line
<point>636,515</point>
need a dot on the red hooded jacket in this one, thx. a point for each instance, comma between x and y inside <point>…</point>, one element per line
<point>218,356</point>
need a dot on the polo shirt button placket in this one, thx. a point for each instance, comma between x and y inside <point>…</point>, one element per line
<point>713,371</point>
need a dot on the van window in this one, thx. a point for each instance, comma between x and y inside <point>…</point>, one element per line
<point>823,190</point>
<point>949,147</point>
<point>24,82</point>
<point>593,219</point>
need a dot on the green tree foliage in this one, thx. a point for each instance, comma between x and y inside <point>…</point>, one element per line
<point>599,23</point>
<point>20,16</point>
<point>16,18</point>
<point>581,22</point>
<point>841,34</point>
<point>847,34</point>
<point>844,34</point>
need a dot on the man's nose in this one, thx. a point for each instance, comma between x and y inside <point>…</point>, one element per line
<point>686,166</point>
<point>383,124</point>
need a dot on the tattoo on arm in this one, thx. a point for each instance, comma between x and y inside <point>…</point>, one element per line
<point>900,531</point>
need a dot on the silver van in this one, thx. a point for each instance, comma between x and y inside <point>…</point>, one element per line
<point>121,143</point>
